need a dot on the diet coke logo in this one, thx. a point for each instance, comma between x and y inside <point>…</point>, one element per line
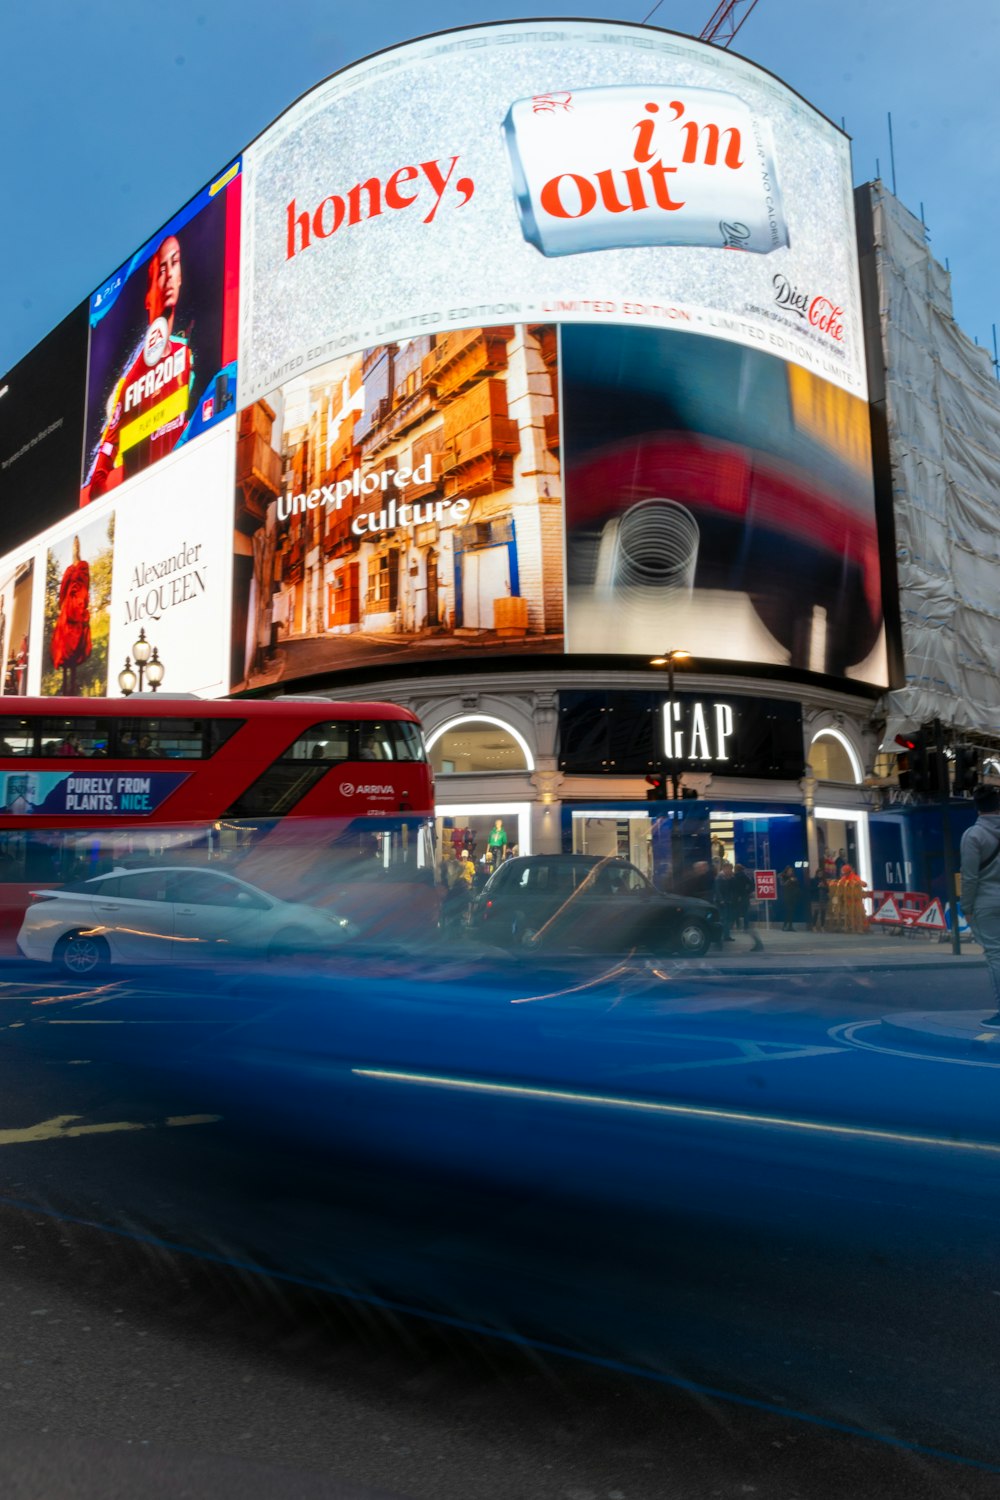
<point>819,312</point>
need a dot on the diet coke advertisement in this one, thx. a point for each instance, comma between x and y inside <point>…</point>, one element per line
<point>553,172</point>
<point>600,168</point>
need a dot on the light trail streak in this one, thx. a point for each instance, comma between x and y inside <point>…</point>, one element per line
<point>677,1111</point>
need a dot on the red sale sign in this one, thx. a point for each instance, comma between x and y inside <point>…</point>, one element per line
<point>766,885</point>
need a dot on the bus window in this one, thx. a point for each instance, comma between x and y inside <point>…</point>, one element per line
<point>375,742</point>
<point>73,737</point>
<point>321,742</point>
<point>172,739</point>
<point>409,741</point>
<point>277,790</point>
<point>17,736</point>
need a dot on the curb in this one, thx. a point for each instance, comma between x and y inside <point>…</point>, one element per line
<point>928,1032</point>
<point>796,965</point>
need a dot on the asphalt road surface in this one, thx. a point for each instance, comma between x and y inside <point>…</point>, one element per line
<point>711,1225</point>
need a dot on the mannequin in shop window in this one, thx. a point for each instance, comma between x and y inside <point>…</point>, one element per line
<point>497,842</point>
<point>850,893</point>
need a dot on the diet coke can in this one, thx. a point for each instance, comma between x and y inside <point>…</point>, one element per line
<point>605,168</point>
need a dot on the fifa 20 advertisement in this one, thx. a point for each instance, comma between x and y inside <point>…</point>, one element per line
<point>163,342</point>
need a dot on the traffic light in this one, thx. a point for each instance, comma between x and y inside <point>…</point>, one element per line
<point>656,789</point>
<point>904,767</point>
<point>917,764</point>
<point>966,769</point>
<point>924,765</point>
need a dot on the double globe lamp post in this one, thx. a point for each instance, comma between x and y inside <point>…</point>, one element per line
<point>148,669</point>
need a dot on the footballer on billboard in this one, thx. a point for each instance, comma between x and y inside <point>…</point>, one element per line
<point>163,335</point>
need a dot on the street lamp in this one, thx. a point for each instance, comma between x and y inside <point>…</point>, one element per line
<point>148,666</point>
<point>667,659</point>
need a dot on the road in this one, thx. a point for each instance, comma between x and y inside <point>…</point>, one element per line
<point>705,1184</point>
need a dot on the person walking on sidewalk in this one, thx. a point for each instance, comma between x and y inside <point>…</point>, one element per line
<point>789,897</point>
<point>725,899</point>
<point>981,883</point>
<point>743,889</point>
<point>819,897</point>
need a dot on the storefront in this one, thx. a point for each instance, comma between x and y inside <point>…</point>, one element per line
<point>767,783</point>
<point>481,766</point>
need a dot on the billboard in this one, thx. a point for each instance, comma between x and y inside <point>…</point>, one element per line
<point>680,225</point>
<point>156,556</point>
<point>16,587</point>
<point>76,599</point>
<point>41,432</point>
<point>720,499</point>
<point>404,500</point>
<point>570,171</point>
<point>549,340</point>
<point>163,341</point>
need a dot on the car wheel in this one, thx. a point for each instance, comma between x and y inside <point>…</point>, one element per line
<point>291,945</point>
<point>693,940</point>
<point>79,953</point>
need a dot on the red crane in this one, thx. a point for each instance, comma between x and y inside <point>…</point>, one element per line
<point>727,18</point>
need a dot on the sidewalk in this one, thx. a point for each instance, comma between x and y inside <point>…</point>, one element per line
<point>825,951</point>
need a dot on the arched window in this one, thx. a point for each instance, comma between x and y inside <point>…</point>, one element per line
<point>477,745</point>
<point>833,758</point>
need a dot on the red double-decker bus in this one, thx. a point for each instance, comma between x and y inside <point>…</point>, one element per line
<point>303,796</point>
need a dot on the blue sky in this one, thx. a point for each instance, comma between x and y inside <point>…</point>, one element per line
<point>113,114</point>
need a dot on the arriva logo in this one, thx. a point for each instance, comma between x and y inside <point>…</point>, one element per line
<point>348,789</point>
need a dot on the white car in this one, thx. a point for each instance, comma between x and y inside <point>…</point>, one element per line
<point>167,913</point>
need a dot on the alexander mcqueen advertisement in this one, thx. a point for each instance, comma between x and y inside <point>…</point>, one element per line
<point>568,172</point>
<point>172,566</point>
<point>163,337</point>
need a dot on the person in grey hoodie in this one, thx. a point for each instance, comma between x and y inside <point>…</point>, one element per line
<point>981,883</point>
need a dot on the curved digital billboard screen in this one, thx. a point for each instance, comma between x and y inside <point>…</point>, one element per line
<point>549,340</point>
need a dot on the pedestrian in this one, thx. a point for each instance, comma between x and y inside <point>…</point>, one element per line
<point>725,900</point>
<point>744,889</point>
<point>981,884</point>
<point>789,898</point>
<point>819,899</point>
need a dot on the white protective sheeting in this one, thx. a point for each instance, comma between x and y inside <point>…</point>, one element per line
<point>943,415</point>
